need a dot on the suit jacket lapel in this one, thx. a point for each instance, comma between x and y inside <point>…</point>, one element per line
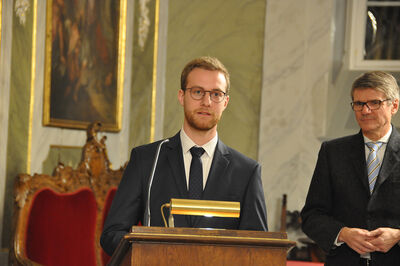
<point>218,167</point>
<point>175,158</point>
<point>390,159</point>
<point>216,175</point>
<point>357,154</point>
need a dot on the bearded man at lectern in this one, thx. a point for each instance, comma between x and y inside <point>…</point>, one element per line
<point>193,164</point>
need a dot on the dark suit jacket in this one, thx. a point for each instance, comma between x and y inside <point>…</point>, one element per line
<point>232,177</point>
<point>339,196</point>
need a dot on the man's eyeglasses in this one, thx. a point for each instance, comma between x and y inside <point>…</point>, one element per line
<point>198,93</point>
<point>372,105</point>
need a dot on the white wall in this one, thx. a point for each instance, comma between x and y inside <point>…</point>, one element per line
<point>297,65</point>
<point>5,62</point>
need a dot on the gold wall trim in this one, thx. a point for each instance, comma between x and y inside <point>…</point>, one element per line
<point>155,57</point>
<point>121,60</point>
<point>32,85</point>
<point>47,66</point>
<point>1,5</point>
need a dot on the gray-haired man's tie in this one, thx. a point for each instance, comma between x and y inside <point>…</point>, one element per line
<point>373,163</point>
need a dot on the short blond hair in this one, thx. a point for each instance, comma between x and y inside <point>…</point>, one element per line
<point>207,63</point>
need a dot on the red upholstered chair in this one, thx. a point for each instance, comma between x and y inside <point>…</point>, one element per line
<point>58,219</point>
<point>75,212</point>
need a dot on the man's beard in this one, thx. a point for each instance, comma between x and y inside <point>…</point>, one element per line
<point>200,124</point>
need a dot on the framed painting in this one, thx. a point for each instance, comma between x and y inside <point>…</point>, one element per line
<point>84,63</point>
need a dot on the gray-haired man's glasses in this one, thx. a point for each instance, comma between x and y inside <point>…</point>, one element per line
<point>371,105</point>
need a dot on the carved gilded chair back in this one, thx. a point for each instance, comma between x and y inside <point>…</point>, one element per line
<point>93,174</point>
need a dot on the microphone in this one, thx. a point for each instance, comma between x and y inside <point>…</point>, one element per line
<point>147,213</point>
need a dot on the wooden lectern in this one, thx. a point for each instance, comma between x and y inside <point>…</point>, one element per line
<point>192,246</point>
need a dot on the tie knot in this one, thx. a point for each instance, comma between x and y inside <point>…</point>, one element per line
<point>197,151</point>
<point>374,146</point>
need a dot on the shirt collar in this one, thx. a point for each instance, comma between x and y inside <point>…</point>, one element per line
<point>384,139</point>
<point>187,143</point>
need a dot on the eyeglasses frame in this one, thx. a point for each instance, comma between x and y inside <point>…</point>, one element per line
<point>366,104</point>
<point>209,93</point>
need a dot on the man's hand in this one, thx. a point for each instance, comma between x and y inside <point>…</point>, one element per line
<point>357,239</point>
<point>384,238</point>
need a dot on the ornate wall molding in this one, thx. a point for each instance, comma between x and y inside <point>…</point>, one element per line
<point>21,7</point>
<point>144,23</point>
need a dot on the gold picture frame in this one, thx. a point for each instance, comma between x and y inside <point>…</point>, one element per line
<point>84,63</point>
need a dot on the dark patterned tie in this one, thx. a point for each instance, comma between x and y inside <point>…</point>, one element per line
<point>196,173</point>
